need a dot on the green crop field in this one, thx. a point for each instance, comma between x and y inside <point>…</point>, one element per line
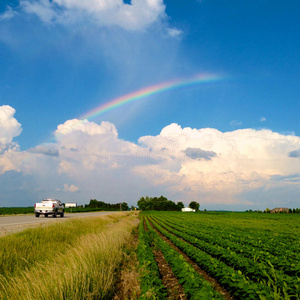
<point>175,255</point>
<point>251,255</point>
<point>16,210</point>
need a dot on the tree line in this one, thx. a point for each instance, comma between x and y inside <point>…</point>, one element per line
<point>107,206</point>
<point>163,204</point>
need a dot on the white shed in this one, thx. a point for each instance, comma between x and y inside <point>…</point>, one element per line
<point>71,204</point>
<point>188,209</point>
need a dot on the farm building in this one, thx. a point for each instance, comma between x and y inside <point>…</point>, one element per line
<point>71,204</point>
<point>186,209</point>
<point>279,209</point>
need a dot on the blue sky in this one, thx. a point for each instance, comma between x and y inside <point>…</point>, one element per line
<point>61,59</point>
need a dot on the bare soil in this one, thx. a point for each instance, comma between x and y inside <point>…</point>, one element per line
<point>174,289</point>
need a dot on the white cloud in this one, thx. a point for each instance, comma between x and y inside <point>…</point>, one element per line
<point>8,14</point>
<point>70,188</point>
<point>183,164</point>
<point>262,119</point>
<point>244,160</point>
<point>138,15</point>
<point>174,32</point>
<point>9,126</point>
<point>85,126</point>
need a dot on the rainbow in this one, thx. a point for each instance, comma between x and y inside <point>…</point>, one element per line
<point>149,91</point>
<point>141,94</point>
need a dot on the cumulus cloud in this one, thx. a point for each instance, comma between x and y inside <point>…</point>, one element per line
<point>70,188</point>
<point>243,160</point>
<point>85,126</point>
<point>9,128</point>
<point>137,15</point>
<point>182,163</point>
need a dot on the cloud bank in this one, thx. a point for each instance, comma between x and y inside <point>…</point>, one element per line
<point>218,169</point>
<point>138,15</point>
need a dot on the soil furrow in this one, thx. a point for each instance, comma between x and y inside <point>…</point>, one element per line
<point>174,289</point>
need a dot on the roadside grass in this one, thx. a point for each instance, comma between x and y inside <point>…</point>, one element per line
<point>77,259</point>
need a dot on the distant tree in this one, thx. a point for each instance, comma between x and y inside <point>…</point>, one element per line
<point>144,203</point>
<point>93,203</point>
<point>180,205</point>
<point>156,203</point>
<point>267,210</point>
<point>124,206</point>
<point>194,205</point>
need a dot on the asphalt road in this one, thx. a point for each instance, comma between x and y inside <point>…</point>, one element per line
<point>11,224</point>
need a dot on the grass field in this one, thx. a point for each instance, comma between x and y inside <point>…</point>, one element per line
<point>76,259</point>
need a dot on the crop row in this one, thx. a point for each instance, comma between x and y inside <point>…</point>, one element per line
<point>151,284</point>
<point>256,237</point>
<point>194,285</point>
<point>241,246</point>
<point>257,272</point>
<point>239,285</point>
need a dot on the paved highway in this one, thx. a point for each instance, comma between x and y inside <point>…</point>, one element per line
<point>11,224</point>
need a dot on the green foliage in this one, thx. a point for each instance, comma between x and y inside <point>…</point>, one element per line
<point>254,256</point>
<point>16,210</point>
<point>100,205</point>
<point>151,284</point>
<point>195,286</point>
<point>158,204</point>
<point>180,205</point>
<point>194,205</point>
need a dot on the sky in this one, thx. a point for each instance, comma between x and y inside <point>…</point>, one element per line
<point>115,100</point>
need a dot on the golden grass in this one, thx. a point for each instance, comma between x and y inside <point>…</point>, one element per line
<point>84,271</point>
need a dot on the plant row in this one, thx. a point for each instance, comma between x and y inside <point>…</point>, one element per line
<point>194,285</point>
<point>151,284</point>
<point>257,272</point>
<point>233,280</point>
<point>241,246</point>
